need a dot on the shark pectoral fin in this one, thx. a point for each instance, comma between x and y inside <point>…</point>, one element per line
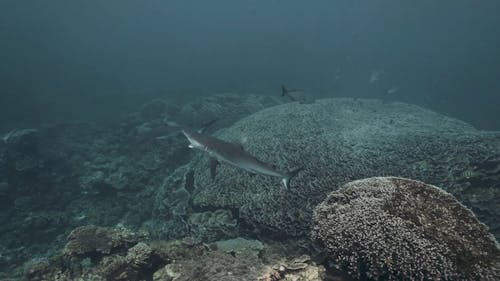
<point>213,167</point>
<point>289,176</point>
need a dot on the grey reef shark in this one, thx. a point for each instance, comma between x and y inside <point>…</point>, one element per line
<point>221,151</point>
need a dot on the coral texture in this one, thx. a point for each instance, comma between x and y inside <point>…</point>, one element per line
<point>98,253</point>
<point>90,239</point>
<point>340,140</point>
<point>400,229</point>
<point>235,259</point>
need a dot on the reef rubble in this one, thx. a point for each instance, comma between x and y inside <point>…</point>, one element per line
<point>96,253</point>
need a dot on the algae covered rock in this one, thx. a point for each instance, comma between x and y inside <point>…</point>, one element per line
<point>234,259</point>
<point>340,140</point>
<point>237,259</point>
<point>210,226</point>
<point>239,244</point>
<point>91,239</point>
<point>99,253</point>
<point>400,229</point>
<point>297,269</point>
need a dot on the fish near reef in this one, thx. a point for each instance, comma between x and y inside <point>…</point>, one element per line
<point>221,151</point>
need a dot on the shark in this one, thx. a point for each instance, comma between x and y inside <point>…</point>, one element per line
<point>234,154</point>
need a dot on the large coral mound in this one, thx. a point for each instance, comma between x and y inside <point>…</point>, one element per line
<point>401,229</point>
<point>337,141</point>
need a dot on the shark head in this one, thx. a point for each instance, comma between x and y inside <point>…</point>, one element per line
<point>193,142</point>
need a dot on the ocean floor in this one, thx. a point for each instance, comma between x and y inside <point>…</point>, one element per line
<point>130,200</point>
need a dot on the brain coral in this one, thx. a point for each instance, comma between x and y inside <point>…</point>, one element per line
<point>400,229</point>
<point>337,141</point>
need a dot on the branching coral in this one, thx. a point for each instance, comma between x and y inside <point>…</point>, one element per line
<point>401,229</point>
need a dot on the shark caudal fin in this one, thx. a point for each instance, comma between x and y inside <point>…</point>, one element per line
<point>289,176</point>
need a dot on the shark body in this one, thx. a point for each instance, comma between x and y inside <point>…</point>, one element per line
<point>233,154</point>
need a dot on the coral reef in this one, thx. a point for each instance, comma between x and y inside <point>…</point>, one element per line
<point>239,259</point>
<point>210,226</point>
<point>123,255</point>
<point>400,229</point>
<point>340,140</point>
<point>61,176</point>
<point>139,174</point>
<point>97,253</point>
<point>298,269</point>
<point>95,240</point>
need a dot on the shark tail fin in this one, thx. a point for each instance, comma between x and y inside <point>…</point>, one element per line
<point>289,176</point>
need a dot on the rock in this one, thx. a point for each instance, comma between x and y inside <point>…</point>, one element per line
<point>97,253</point>
<point>210,226</point>
<point>239,245</point>
<point>297,269</point>
<point>235,259</point>
<point>400,229</point>
<point>90,240</point>
<point>134,266</point>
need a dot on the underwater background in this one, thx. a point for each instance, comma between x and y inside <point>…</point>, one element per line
<point>384,116</point>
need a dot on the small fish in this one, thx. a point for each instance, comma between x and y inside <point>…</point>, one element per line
<point>392,90</point>
<point>375,76</point>
<point>467,174</point>
<point>337,75</point>
<point>234,155</point>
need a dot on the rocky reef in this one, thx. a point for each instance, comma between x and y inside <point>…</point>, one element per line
<point>60,176</point>
<point>96,253</point>
<point>130,201</point>
<point>401,229</point>
<point>337,141</point>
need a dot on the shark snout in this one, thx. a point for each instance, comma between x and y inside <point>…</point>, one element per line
<point>193,143</point>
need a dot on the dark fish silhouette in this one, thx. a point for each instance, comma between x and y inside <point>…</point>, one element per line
<point>286,92</point>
